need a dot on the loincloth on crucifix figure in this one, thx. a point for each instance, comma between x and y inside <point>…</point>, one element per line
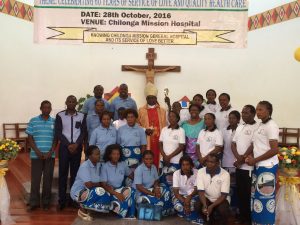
<point>150,70</point>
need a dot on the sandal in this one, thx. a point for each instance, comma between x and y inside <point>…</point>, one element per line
<point>84,216</point>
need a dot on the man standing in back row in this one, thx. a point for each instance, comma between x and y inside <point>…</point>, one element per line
<point>70,130</point>
<point>40,132</point>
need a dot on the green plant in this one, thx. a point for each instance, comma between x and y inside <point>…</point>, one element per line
<point>81,101</point>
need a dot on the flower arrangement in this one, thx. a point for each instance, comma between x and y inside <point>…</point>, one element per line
<point>289,160</point>
<point>8,149</point>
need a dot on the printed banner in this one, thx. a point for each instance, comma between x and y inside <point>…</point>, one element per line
<point>209,23</point>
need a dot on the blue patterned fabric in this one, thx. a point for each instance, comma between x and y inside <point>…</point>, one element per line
<point>101,201</point>
<point>166,173</point>
<point>263,193</point>
<point>165,201</point>
<point>132,156</point>
<point>193,216</point>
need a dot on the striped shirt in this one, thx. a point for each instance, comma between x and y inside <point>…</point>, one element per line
<point>42,132</point>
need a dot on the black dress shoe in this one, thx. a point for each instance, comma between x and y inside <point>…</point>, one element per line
<point>60,207</point>
<point>46,207</point>
<point>32,208</point>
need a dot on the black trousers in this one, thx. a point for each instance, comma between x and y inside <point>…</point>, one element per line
<point>243,187</point>
<point>220,213</point>
<point>39,168</point>
<point>67,161</point>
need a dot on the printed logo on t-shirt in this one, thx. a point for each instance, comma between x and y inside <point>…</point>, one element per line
<point>209,139</point>
<point>261,132</point>
<point>248,132</point>
<point>175,137</point>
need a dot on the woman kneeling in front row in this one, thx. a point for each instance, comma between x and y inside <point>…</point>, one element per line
<point>149,190</point>
<point>109,194</point>
<point>185,191</point>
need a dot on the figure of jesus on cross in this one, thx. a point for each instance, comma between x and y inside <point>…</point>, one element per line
<point>150,70</point>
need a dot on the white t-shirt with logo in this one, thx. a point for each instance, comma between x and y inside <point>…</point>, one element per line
<point>243,139</point>
<point>222,118</point>
<point>213,186</point>
<point>203,112</point>
<point>228,156</point>
<point>262,136</point>
<point>185,185</point>
<point>171,139</point>
<point>208,140</point>
<point>213,108</point>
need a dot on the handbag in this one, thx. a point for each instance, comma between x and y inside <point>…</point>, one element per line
<point>149,212</point>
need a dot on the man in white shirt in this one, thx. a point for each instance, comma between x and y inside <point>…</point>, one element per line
<point>240,143</point>
<point>213,184</point>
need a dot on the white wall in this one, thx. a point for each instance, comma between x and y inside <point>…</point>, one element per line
<point>30,73</point>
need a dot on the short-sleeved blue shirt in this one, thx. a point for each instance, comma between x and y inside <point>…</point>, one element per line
<point>119,102</point>
<point>114,175</point>
<point>145,176</point>
<point>102,137</point>
<point>88,172</point>
<point>131,136</point>
<point>42,132</point>
<point>92,122</point>
<point>89,105</point>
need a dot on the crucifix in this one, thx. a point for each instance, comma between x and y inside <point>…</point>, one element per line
<point>150,70</point>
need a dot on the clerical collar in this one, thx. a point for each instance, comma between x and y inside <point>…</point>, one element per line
<point>211,103</point>
<point>151,106</point>
<point>226,109</point>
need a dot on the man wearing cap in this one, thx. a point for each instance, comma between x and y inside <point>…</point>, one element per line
<point>153,118</point>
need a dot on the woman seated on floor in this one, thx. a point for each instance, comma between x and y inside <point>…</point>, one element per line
<point>112,177</point>
<point>149,190</point>
<point>185,190</point>
<point>87,190</point>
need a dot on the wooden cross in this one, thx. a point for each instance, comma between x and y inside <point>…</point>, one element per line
<point>150,70</point>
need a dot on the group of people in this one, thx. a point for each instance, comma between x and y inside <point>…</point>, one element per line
<point>181,160</point>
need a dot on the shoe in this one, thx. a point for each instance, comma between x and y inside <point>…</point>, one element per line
<point>46,207</point>
<point>198,221</point>
<point>130,218</point>
<point>238,221</point>
<point>75,205</point>
<point>32,208</point>
<point>84,216</point>
<point>60,207</point>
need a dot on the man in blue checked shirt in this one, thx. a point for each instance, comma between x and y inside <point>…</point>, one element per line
<point>40,132</point>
